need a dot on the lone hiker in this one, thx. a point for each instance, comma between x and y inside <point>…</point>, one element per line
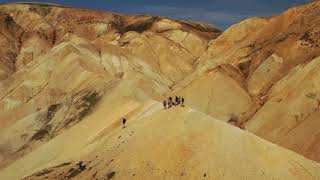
<point>124,122</point>
<point>182,101</point>
<point>177,100</point>
<point>165,104</point>
<point>81,166</point>
<point>170,102</point>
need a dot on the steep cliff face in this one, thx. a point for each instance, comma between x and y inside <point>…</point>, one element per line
<point>69,76</point>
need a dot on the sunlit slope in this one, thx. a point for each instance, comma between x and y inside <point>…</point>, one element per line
<point>63,86</point>
<point>264,53</point>
<point>157,143</point>
<point>69,76</point>
<point>295,124</point>
<point>218,93</point>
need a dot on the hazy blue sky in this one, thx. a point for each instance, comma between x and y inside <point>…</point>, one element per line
<point>221,13</point>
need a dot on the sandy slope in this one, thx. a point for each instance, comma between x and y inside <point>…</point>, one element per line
<point>159,144</point>
<point>276,62</point>
<point>68,77</point>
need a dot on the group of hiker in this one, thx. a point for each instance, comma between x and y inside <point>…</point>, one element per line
<point>168,103</point>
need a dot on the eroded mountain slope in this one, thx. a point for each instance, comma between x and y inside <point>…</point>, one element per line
<point>175,143</point>
<point>264,53</point>
<point>69,76</point>
<point>295,124</point>
<point>67,59</point>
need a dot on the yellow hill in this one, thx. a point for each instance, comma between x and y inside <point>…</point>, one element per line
<point>156,143</point>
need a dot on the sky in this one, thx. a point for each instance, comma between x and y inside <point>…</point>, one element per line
<point>221,13</point>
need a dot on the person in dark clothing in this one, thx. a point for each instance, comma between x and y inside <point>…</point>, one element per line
<point>165,104</point>
<point>177,100</point>
<point>124,122</point>
<point>170,102</point>
<point>182,101</point>
<point>81,166</point>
